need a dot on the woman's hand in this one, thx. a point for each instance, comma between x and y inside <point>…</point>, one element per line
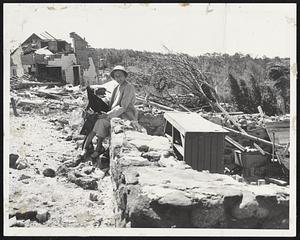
<point>102,115</point>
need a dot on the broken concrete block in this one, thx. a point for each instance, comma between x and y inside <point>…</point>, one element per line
<point>49,172</point>
<point>12,160</point>
<point>42,215</point>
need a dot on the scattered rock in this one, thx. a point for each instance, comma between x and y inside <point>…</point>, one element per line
<point>69,138</point>
<point>37,171</point>
<point>62,170</point>
<point>24,215</point>
<point>42,216</point>
<point>23,176</point>
<point>12,221</point>
<point>152,156</point>
<point>78,137</point>
<point>21,165</point>
<point>88,169</point>
<point>72,163</point>
<point>78,174</point>
<point>12,160</point>
<point>87,183</point>
<point>83,182</point>
<point>93,197</point>
<point>143,148</point>
<point>118,129</point>
<point>49,172</point>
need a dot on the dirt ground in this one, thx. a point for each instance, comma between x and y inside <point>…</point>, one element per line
<point>42,145</point>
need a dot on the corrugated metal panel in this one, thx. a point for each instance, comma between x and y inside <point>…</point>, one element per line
<point>204,151</point>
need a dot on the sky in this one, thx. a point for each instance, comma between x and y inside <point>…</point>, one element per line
<point>255,29</point>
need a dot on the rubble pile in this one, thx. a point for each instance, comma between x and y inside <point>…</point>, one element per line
<point>148,173</point>
<point>247,121</point>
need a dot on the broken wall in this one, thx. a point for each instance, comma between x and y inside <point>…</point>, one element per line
<point>16,60</point>
<point>84,52</point>
<point>153,189</point>
<point>66,62</point>
<point>90,75</point>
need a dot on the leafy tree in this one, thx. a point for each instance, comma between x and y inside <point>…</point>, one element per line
<point>269,102</point>
<point>255,92</point>
<point>280,75</point>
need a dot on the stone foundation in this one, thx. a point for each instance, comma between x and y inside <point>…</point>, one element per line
<point>153,189</point>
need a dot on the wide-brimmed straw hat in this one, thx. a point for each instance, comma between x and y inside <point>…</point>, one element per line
<point>118,68</point>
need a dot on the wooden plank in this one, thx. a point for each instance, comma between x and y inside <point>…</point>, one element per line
<point>230,118</point>
<point>182,139</point>
<point>14,107</point>
<point>214,150</point>
<point>156,104</point>
<point>253,138</point>
<point>277,181</point>
<point>235,144</point>
<point>259,148</point>
<point>179,149</point>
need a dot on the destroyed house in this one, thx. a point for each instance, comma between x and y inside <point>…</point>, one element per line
<point>48,59</point>
<point>87,58</point>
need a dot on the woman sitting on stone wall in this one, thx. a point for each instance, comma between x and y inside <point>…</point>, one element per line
<point>121,105</point>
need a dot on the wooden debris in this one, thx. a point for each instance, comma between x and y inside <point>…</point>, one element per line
<point>259,148</point>
<point>253,138</point>
<point>156,104</point>
<point>14,107</point>
<point>234,143</point>
<point>230,118</point>
<point>183,107</point>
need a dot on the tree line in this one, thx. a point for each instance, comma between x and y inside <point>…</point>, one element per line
<point>240,80</point>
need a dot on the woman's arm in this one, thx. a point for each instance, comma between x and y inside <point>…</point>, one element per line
<point>128,97</point>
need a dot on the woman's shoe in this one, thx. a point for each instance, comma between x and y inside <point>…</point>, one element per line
<point>97,154</point>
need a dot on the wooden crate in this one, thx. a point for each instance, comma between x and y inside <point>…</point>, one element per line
<point>199,142</point>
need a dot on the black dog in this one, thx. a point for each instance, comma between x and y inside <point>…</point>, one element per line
<point>98,106</point>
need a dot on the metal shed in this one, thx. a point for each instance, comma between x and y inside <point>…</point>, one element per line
<point>199,142</point>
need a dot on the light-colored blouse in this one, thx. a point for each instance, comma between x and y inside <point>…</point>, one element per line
<point>122,102</point>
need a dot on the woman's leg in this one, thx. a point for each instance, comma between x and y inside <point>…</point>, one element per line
<point>99,144</point>
<point>88,141</point>
<point>101,129</point>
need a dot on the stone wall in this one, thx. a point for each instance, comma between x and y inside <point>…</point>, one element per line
<point>153,189</point>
